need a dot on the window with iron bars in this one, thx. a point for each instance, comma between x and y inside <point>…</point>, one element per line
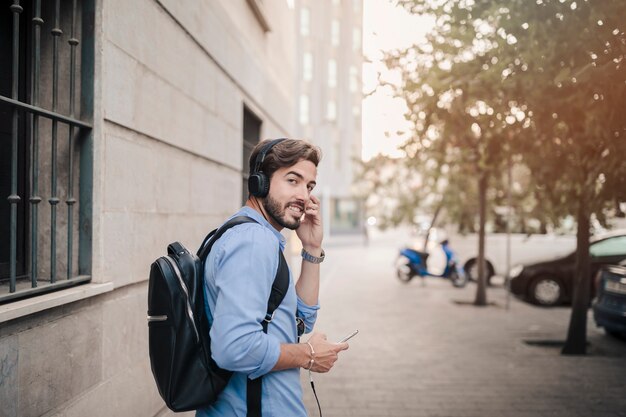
<point>46,105</point>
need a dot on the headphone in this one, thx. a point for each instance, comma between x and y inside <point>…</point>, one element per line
<point>258,183</point>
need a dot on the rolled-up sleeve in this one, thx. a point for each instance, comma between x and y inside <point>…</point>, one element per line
<point>244,270</point>
<point>308,314</point>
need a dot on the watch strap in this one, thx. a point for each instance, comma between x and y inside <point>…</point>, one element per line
<point>313,259</point>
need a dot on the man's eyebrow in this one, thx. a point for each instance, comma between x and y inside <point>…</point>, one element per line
<point>297,174</point>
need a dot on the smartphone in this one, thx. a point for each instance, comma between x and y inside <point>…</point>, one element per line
<point>348,337</point>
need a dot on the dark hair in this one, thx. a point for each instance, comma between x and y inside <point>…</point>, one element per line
<point>285,154</point>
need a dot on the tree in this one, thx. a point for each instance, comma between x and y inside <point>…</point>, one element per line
<point>548,76</point>
<point>556,67</point>
<point>451,86</point>
<point>567,66</point>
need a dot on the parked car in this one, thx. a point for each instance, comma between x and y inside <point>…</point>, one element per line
<point>609,306</point>
<point>524,249</point>
<point>551,282</point>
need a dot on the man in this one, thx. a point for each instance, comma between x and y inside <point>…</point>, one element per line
<point>239,273</point>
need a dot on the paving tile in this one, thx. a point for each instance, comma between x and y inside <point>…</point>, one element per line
<point>420,353</point>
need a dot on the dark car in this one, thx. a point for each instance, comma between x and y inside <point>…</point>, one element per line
<point>551,283</point>
<point>609,306</point>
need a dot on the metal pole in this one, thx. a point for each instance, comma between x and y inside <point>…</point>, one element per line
<point>70,182</point>
<point>35,199</point>
<point>14,199</point>
<point>54,199</point>
<point>45,113</point>
<point>508,228</point>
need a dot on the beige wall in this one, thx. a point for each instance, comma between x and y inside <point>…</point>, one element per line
<point>172,78</point>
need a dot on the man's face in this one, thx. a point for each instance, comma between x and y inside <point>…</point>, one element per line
<point>290,189</point>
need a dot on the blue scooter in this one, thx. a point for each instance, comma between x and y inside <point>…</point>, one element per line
<point>411,263</point>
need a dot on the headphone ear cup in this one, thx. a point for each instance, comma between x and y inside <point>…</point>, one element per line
<point>264,185</point>
<point>258,185</point>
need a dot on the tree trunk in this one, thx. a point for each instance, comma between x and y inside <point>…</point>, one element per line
<point>481,288</point>
<point>576,343</point>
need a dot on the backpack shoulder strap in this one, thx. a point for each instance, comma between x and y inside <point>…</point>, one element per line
<point>280,286</point>
<point>281,280</point>
<point>279,289</point>
<point>215,234</point>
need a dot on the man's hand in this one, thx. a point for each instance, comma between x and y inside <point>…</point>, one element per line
<point>310,231</point>
<point>326,353</point>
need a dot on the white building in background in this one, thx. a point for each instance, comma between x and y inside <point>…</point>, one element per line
<point>329,53</point>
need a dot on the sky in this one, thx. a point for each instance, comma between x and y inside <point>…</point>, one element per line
<point>385,27</point>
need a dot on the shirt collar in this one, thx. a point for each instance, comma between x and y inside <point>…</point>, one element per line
<point>252,213</point>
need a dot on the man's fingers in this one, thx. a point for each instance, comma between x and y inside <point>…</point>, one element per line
<point>342,346</point>
<point>312,206</point>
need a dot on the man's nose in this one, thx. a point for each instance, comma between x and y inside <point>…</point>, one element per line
<point>303,192</point>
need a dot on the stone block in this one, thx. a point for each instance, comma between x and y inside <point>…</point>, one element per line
<point>172,180</point>
<point>207,23</point>
<point>203,180</point>
<point>119,79</point>
<point>58,361</point>
<point>215,190</point>
<point>177,59</point>
<point>165,112</point>
<point>215,138</point>
<point>128,188</point>
<point>137,237</point>
<point>129,393</point>
<point>256,62</point>
<point>232,150</point>
<point>229,107</point>
<point>8,375</point>
<point>124,332</point>
<point>118,230</point>
<point>149,97</point>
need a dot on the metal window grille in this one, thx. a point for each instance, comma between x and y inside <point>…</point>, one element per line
<point>46,68</point>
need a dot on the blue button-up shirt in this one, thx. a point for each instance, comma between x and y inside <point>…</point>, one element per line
<point>239,273</point>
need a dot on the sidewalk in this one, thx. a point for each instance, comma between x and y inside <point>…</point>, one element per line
<point>419,353</point>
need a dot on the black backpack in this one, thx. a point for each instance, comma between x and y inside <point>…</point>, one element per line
<point>178,328</point>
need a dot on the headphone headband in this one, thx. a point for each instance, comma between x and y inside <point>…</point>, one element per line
<point>261,155</point>
<point>258,182</point>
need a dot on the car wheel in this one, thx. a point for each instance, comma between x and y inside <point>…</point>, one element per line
<point>403,269</point>
<point>546,291</point>
<point>471,270</point>
<point>615,333</point>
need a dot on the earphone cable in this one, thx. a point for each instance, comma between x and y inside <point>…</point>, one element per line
<point>315,393</point>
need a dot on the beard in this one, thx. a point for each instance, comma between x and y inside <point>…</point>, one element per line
<point>279,215</point>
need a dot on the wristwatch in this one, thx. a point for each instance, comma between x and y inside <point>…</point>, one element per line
<point>313,259</point>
